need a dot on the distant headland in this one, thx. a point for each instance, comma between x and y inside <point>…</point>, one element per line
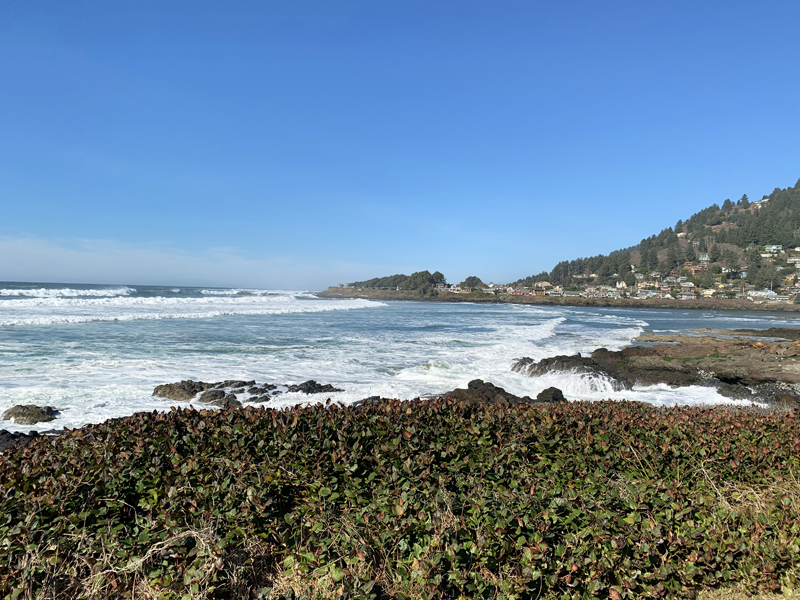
<point>741,255</point>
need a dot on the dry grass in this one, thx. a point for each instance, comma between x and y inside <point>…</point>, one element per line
<point>739,593</point>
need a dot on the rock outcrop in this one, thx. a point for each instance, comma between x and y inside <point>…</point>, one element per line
<point>739,367</point>
<point>551,395</point>
<point>312,387</point>
<point>30,414</point>
<point>10,440</point>
<point>232,392</point>
<point>184,390</point>
<point>480,392</point>
<point>581,365</point>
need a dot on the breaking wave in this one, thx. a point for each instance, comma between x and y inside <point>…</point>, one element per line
<point>67,292</point>
<point>53,311</point>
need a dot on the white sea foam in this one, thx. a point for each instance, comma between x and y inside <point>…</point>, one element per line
<point>67,292</point>
<point>401,350</point>
<point>51,310</point>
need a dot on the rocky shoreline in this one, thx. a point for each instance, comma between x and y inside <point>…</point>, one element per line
<point>761,366</point>
<point>233,394</point>
<point>480,298</point>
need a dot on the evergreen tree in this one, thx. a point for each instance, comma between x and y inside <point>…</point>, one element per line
<point>472,282</point>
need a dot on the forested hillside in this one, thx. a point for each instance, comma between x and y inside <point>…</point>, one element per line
<point>731,236</point>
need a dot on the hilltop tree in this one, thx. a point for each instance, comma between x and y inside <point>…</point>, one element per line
<point>438,278</point>
<point>472,282</point>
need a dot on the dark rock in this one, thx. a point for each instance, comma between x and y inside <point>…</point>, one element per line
<point>787,401</point>
<point>235,383</point>
<point>735,391</point>
<point>226,400</point>
<point>481,392</point>
<point>30,414</point>
<point>371,401</point>
<point>230,400</point>
<point>185,390</point>
<point>254,390</point>
<point>551,395</point>
<point>212,396</point>
<point>575,364</point>
<point>238,391</point>
<point>312,387</point>
<point>260,399</point>
<point>9,440</point>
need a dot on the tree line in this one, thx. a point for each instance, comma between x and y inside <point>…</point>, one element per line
<point>422,282</point>
<point>730,235</point>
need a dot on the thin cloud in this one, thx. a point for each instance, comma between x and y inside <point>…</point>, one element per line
<point>110,261</point>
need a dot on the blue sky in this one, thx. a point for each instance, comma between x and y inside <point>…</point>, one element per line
<point>302,144</point>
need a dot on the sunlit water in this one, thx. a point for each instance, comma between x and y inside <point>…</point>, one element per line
<point>96,352</point>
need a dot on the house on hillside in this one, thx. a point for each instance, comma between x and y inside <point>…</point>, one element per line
<point>687,296</point>
<point>773,248</point>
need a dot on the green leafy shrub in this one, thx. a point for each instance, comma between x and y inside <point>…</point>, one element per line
<point>424,499</point>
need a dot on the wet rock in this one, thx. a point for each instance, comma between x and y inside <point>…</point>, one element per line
<point>738,366</point>
<point>238,391</point>
<point>229,400</point>
<point>235,383</point>
<point>30,414</point>
<point>551,395</point>
<point>371,401</point>
<point>312,387</point>
<point>481,392</point>
<point>9,440</point>
<point>185,390</point>
<point>574,364</point>
<point>212,396</point>
<point>787,401</point>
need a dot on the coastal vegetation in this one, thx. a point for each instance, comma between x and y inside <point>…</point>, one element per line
<point>422,283</point>
<point>420,499</point>
<point>732,236</point>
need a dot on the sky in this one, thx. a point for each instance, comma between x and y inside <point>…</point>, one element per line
<point>302,144</point>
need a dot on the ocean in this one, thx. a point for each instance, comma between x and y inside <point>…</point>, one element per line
<point>96,352</point>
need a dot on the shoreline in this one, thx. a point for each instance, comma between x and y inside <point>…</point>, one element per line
<point>576,301</point>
